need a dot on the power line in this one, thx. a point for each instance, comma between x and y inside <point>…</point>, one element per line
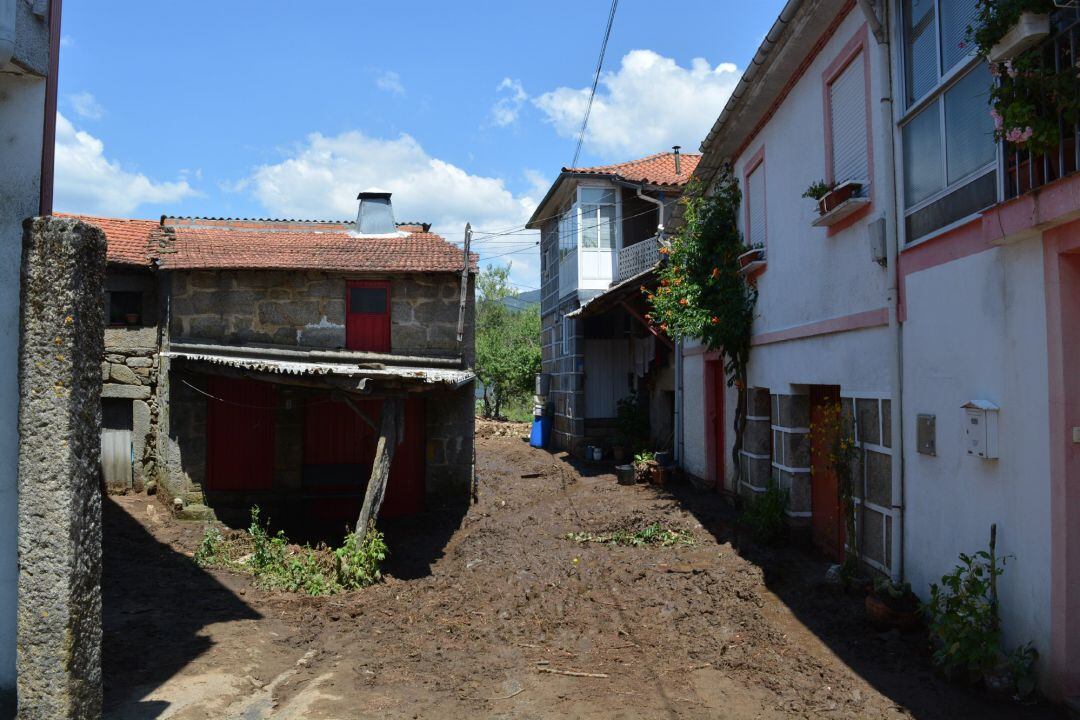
<point>596,80</point>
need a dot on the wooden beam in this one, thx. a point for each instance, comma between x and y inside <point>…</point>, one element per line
<point>648,326</point>
<point>380,468</point>
<point>352,406</point>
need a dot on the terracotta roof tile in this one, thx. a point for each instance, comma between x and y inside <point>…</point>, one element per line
<point>128,240</point>
<point>263,246</point>
<point>656,169</point>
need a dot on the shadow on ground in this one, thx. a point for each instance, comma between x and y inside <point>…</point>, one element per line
<point>897,665</point>
<point>155,603</point>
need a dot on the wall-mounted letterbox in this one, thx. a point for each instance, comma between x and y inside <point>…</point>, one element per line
<point>981,428</point>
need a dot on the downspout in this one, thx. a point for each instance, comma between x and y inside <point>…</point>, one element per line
<point>48,140</point>
<point>879,26</point>
<point>7,31</point>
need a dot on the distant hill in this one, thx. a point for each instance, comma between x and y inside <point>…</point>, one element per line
<point>523,300</point>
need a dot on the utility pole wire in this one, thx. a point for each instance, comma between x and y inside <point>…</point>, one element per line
<point>596,79</point>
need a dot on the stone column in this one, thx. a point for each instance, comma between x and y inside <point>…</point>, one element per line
<point>59,623</point>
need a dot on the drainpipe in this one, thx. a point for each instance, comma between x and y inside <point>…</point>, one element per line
<point>7,31</point>
<point>879,26</point>
<point>659,209</point>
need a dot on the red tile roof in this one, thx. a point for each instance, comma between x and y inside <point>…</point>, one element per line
<point>128,240</point>
<point>225,243</point>
<point>656,169</point>
<point>189,244</point>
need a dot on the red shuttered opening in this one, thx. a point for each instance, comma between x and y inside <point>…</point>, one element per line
<point>240,419</point>
<point>339,449</point>
<point>367,307</point>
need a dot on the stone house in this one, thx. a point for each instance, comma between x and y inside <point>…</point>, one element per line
<point>264,352</point>
<point>600,234</point>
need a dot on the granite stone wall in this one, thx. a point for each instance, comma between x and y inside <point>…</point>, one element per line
<point>307,309</point>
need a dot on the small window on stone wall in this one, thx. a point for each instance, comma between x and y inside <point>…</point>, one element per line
<point>125,308</point>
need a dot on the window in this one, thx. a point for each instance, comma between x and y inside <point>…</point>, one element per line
<point>948,139</point>
<point>367,300</point>
<point>125,307</point>
<point>755,205</point>
<point>597,218</point>
<point>567,335</point>
<point>568,230</point>
<point>847,124</point>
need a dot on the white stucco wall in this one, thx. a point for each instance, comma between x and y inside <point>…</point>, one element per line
<point>694,421</point>
<point>21,115</point>
<point>976,329</point>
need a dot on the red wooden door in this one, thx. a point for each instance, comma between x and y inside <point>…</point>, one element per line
<point>826,522</point>
<point>367,308</point>
<point>240,419</point>
<point>339,449</point>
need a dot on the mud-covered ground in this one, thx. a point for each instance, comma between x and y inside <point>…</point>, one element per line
<point>486,614</point>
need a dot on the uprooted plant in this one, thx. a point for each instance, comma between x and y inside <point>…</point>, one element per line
<point>654,534</point>
<point>277,563</point>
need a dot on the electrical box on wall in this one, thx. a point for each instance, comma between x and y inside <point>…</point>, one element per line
<point>981,428</point>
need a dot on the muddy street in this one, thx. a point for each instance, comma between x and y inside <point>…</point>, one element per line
<point>496,613</point>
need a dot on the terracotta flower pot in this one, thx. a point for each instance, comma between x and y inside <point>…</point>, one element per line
<point>837,196</point>
<point>882,616</point>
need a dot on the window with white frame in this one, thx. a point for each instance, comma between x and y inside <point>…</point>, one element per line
<point>568,230</point>
<point>755,206</point>
<point>949,152</point>
<point>847,124</point>
<point>567,335</point>
<point>597,218</point>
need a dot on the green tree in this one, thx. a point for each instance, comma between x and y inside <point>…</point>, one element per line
<point>507,342</point>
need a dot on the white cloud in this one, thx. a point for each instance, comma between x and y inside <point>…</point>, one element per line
<point>321,177</point>
<point>506,109</point>
<point>86,106</point>
<point>67,41</point>
<point>389,81</point>
<point>88,182</point>
<point>649,104</point>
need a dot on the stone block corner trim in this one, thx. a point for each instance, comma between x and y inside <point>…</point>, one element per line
<point>59,534</point>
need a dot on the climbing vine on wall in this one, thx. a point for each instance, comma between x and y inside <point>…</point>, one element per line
<point>701,293</point>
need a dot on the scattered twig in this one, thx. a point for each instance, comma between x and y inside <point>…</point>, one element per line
<point>571,673</point>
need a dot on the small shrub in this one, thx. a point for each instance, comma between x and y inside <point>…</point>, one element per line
<point>358,561</point>
<point>818,189</point>
<point>765,515</point>
<point>962,613</point>
<point>209,552</point>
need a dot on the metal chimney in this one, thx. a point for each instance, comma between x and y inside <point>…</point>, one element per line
<point>376,214</point>
<point>678,159</point>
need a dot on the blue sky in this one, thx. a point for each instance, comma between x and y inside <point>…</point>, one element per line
<point>466,111</point>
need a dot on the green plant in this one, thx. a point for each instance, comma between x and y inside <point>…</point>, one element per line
<point>654,534</point>
<point>1028,97</point>
<point>765,515</point>
<point>818,189</point>
<point>963,615</point>
<point>835,430</point>
<point>631,423</point>
<point>1021,662</point>
<point>507,343</point>
<point>210,550</point>
<point>702,292</point>
<point>896,596</point>
<point>644,456</point>
<point>358,560</point>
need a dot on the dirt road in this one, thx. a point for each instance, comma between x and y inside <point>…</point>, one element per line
<point>488,614</point>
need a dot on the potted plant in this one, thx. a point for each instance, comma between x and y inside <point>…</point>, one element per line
<point>131,318</point>
<point>890,605</point>
<point>1005,29</point>
<point>755,253</point>
<point>817,191</point>
<point>644,463</point>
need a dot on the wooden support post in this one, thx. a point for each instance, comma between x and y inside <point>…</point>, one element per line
<point>464,285</point>
<point>389,432</point>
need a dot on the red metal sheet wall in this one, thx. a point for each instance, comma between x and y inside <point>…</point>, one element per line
<point>240,419</point>
<point>339,449</point>
<point>367,330</point>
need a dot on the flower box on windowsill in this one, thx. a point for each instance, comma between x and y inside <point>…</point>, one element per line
<point>752,261</point>
<point>841,211</point>
<point>838,196</point>
<point>1028,31</point>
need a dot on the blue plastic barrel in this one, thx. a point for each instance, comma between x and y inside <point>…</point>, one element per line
<point>541,429</point>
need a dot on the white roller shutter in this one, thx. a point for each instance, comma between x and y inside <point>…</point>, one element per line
<point>755,202</point>
<point>847,105</point>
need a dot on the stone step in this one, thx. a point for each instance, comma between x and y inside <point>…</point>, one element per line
<point>196,512</point>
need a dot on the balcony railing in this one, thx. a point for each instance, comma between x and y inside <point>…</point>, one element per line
<point>1021,171</point>
<point>637,258</point>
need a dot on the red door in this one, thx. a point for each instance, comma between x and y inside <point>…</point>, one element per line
<point>339,448</point>
<point>240,418</point>
<point>826,522</point>
<point>367,308</point>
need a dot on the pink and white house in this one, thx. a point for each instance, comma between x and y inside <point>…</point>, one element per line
<point>939,304</point>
